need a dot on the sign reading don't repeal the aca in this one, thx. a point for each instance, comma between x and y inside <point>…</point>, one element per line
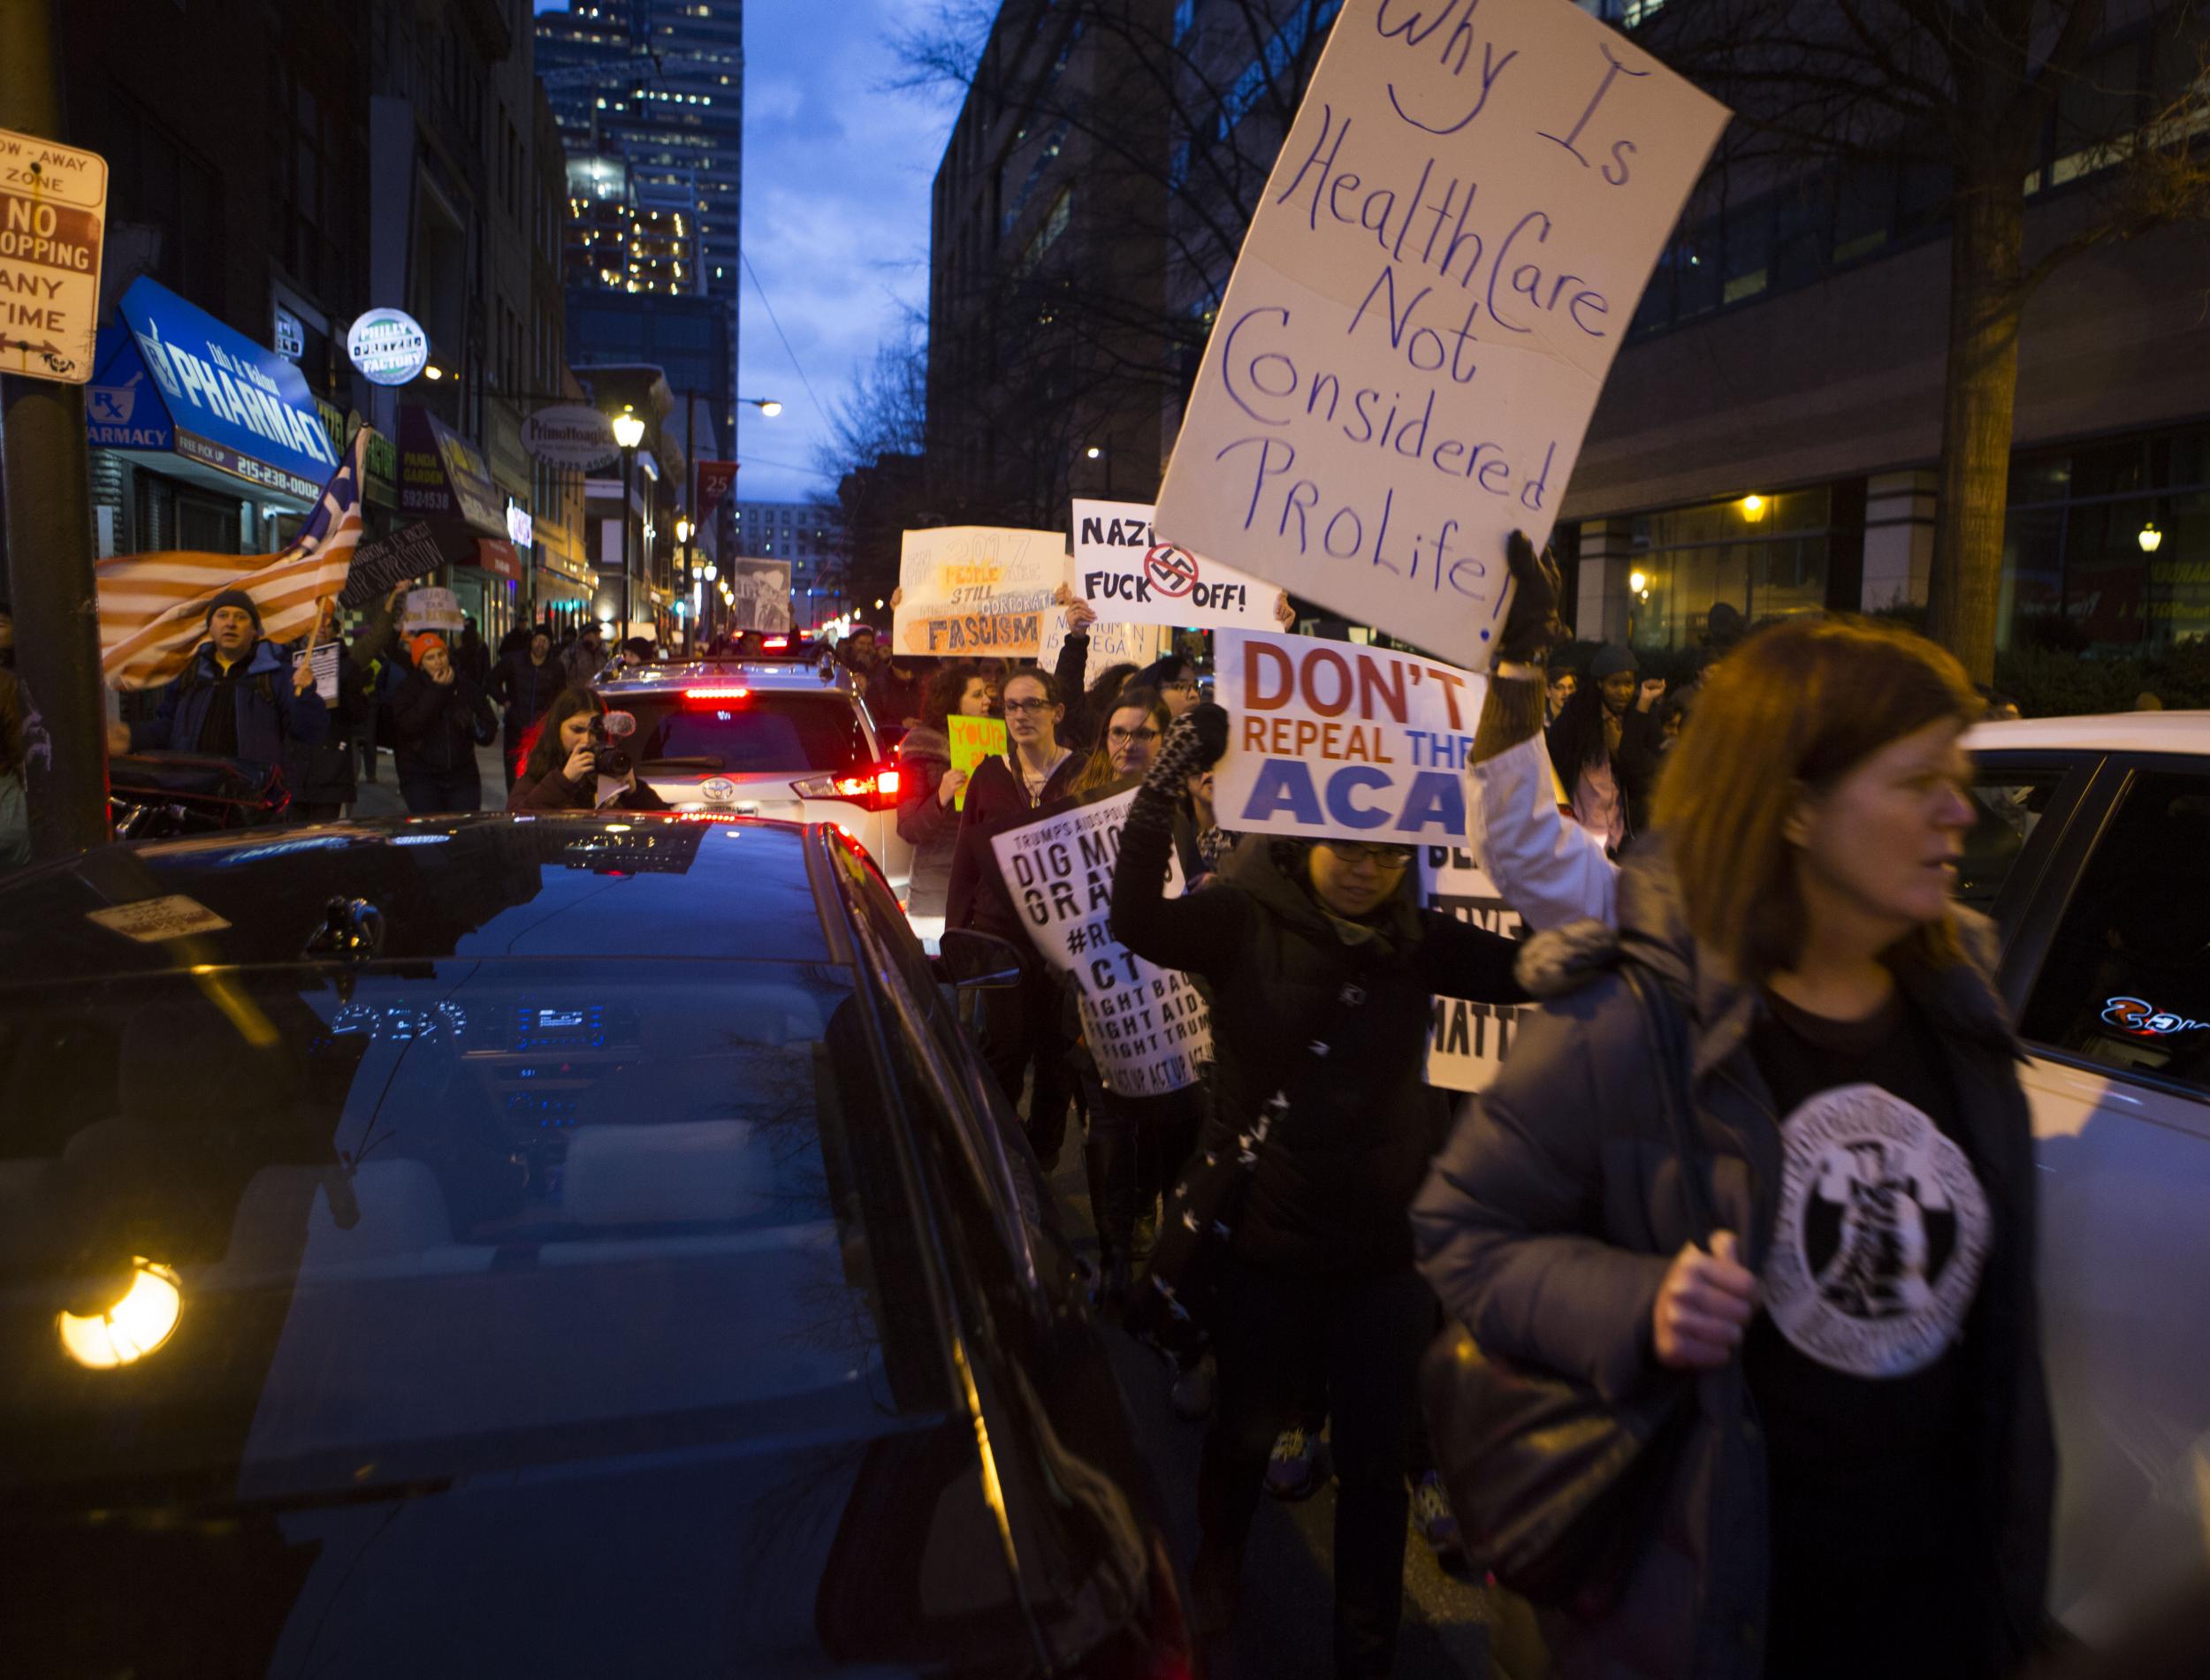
<point>1451,247</point>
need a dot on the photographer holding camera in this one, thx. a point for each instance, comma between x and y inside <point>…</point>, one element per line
<point>571,749</point>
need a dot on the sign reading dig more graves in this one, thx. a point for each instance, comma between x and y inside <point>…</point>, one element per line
<point>1450,249</point>
<point>53,205</point>
<point>1130,577</point>
<point>1146,1026</point>
<point>976,591</point>
<point>1334,738</point>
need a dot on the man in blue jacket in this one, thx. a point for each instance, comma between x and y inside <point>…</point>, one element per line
<point>239,698</point>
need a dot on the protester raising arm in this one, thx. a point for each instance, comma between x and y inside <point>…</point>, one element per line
<point>1199,933</point>
<point>1550,870</point>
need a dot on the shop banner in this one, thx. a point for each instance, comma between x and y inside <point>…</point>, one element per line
<point>972,741</point>
<point>716,479</point>
<point>1333,738</point>
<point>976,591</point>
<point>1147,1027</point>
<point>442,475</point>
<point>1469,1040</point>
<point>1130,578</point>
<point>1109,644</point>
<point>761,592</point>
<point>1451,247</point>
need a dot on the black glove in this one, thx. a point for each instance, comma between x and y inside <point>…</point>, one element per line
<point>1531,628</point>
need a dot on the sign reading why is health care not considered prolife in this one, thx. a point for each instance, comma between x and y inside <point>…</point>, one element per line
<point>976,591</point>
<point>1146,1026</point>
<point>1451,247</point>
<point>1333,738</point>
<point>1131,577</point>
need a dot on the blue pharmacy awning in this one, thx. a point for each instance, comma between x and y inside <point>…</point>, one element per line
<point>173,380</point>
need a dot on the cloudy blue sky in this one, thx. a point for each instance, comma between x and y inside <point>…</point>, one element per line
<point>836,184</point>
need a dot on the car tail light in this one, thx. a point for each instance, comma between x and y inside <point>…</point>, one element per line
<point>775,643</point>
<point>706,696</point>
<point>875,789</point>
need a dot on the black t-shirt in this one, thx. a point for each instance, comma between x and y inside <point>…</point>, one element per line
<point>1855,1363</point>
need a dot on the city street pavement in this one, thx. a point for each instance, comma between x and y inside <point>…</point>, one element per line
<point>1453,1629</point>
<point>381,797</point>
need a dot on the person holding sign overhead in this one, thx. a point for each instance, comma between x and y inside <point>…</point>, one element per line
<point>1020,1025</point>
<point>1323,969</point>
<point>929,786</point>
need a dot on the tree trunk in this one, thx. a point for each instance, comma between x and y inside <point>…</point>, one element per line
<point>1979,395</point>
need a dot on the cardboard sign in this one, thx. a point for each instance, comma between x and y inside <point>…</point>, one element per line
<point>1146,1026</point>
<point>760,592</point>
<point>1131,578</point>
<point>324,662</point>
<point>1109,644</point>
<point>1450,249</point>
<point>1469,1040</point>
<point>409,552</point>
<point>1333,738</point>
<point>976,591</point>
<point>972,741</point>
<point>430,610</point>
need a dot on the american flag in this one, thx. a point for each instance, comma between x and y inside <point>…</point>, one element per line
<point>153,607</point>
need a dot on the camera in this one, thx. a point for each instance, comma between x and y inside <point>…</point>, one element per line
<point>607,729</point>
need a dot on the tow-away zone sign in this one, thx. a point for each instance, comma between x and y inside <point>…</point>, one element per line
<point>53,204</point>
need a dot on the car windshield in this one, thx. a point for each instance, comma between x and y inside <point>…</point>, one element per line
<point>761,734</point>
<point>267,1233</point>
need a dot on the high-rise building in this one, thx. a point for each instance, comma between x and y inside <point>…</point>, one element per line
<point>659,86</point>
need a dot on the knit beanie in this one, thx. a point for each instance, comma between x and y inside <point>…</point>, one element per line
<point>238,599</point>
<point>419,645</point>
<point>1610,661</point>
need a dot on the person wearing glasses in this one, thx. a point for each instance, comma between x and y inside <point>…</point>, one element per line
<point>1021,1025</point>
<point>1173,679</point>
<point>1322,967</point>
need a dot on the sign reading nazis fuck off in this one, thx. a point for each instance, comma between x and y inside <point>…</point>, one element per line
<point>1334,738</point>
<point>1449,251</point>
<point>976,591</point>
<point>1146,1026</point>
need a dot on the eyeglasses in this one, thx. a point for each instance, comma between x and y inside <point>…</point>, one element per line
<point>1028,706</point>
<point>1382,857</point>
<point>1122,737</point>
<point>1184,685</point>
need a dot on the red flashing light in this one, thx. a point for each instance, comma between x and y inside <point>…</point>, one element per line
<point>775,643</point>
<point>701,695</point>
<point>875,790</point>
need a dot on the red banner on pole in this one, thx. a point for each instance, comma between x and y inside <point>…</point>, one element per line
<point>716,479</point>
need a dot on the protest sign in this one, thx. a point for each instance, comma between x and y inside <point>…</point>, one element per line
<point>430,610</point>
<point>1130,578</point>
<point>972,739</point>
<point>378,567</point>
<point>323,661</point>
<point>1109,644</point>
<point>976,591</point>
<point>1449,251</point>
<point>1146,1026</point>
<point>1335,737</point>
<point>1469,1040</point>
<point>760,594</point>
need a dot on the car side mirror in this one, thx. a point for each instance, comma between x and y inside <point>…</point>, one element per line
<point>970,961</point>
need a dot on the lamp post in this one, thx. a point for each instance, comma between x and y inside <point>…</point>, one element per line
<point>1104,452</point>
<point>629,432</point>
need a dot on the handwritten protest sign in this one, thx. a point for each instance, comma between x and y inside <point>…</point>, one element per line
<point>430,609</point>
<point>1451,247</point>
<point>1469,1040</point>
<point>1334,738</point>
<point>411,551</point>
<point>976,591</point>
<point>1126,575</point>
<point>1146,1026</point>
<point>972,741</point>
<point>1109,644</point>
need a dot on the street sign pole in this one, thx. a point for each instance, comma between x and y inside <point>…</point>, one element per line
<point>46,518</point>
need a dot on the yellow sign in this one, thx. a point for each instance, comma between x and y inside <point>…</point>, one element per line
<point>972,741</point>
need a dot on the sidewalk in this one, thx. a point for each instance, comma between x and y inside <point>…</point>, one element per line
<point>381,797</point>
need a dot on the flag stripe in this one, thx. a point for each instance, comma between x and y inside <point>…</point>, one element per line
<point>153,607</point>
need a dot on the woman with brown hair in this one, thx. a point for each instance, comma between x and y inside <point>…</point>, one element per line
<point>1864,1479</point>
<point>928,791</point>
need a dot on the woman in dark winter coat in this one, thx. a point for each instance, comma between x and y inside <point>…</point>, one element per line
<point>441,718</point>
<point>560,767</point>
<point>1864,1485</point>
<point>1021,1025</point>
<point>1323,971</point>
<point>525,682</point>
<point>928,786</point>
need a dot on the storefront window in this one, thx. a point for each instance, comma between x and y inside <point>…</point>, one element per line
<point>1765,556</point>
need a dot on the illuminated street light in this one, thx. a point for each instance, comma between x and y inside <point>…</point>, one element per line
<point>2151,539</point>
<point>709,572</point>
<point>136,1326</point>
<point>682,531</point>
<point>1637,582</point>
<point>1753,506</point>
<point>768,406</point>
<point>1093,452</point>
<point>629,429</point>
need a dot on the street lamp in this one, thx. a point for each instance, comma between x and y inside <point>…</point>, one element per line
<point>2151,539</point>
<point>1102,451</point>
<point>768,406</point>
<point>629,432</point>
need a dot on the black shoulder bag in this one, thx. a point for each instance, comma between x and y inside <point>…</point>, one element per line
<point>1172,1310</point>
<point>1553,1487</point>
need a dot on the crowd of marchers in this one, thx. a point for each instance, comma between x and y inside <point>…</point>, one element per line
<point>1751,1203</point>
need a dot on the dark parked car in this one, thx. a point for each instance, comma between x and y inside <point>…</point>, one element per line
<point>496,1246</point>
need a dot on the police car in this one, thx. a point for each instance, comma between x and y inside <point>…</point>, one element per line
<point>767,738</point>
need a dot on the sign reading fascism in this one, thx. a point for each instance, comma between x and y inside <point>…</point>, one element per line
<point>976,591</point>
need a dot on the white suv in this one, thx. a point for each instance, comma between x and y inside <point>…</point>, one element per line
<point>766,739</point>
<point>2093,854</point>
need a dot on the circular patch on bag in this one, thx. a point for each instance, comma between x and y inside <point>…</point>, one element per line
<point>1882,1235</point>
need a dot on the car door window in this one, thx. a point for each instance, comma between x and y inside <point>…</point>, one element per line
<point>2009,804</point>
<point>2126,983</point>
